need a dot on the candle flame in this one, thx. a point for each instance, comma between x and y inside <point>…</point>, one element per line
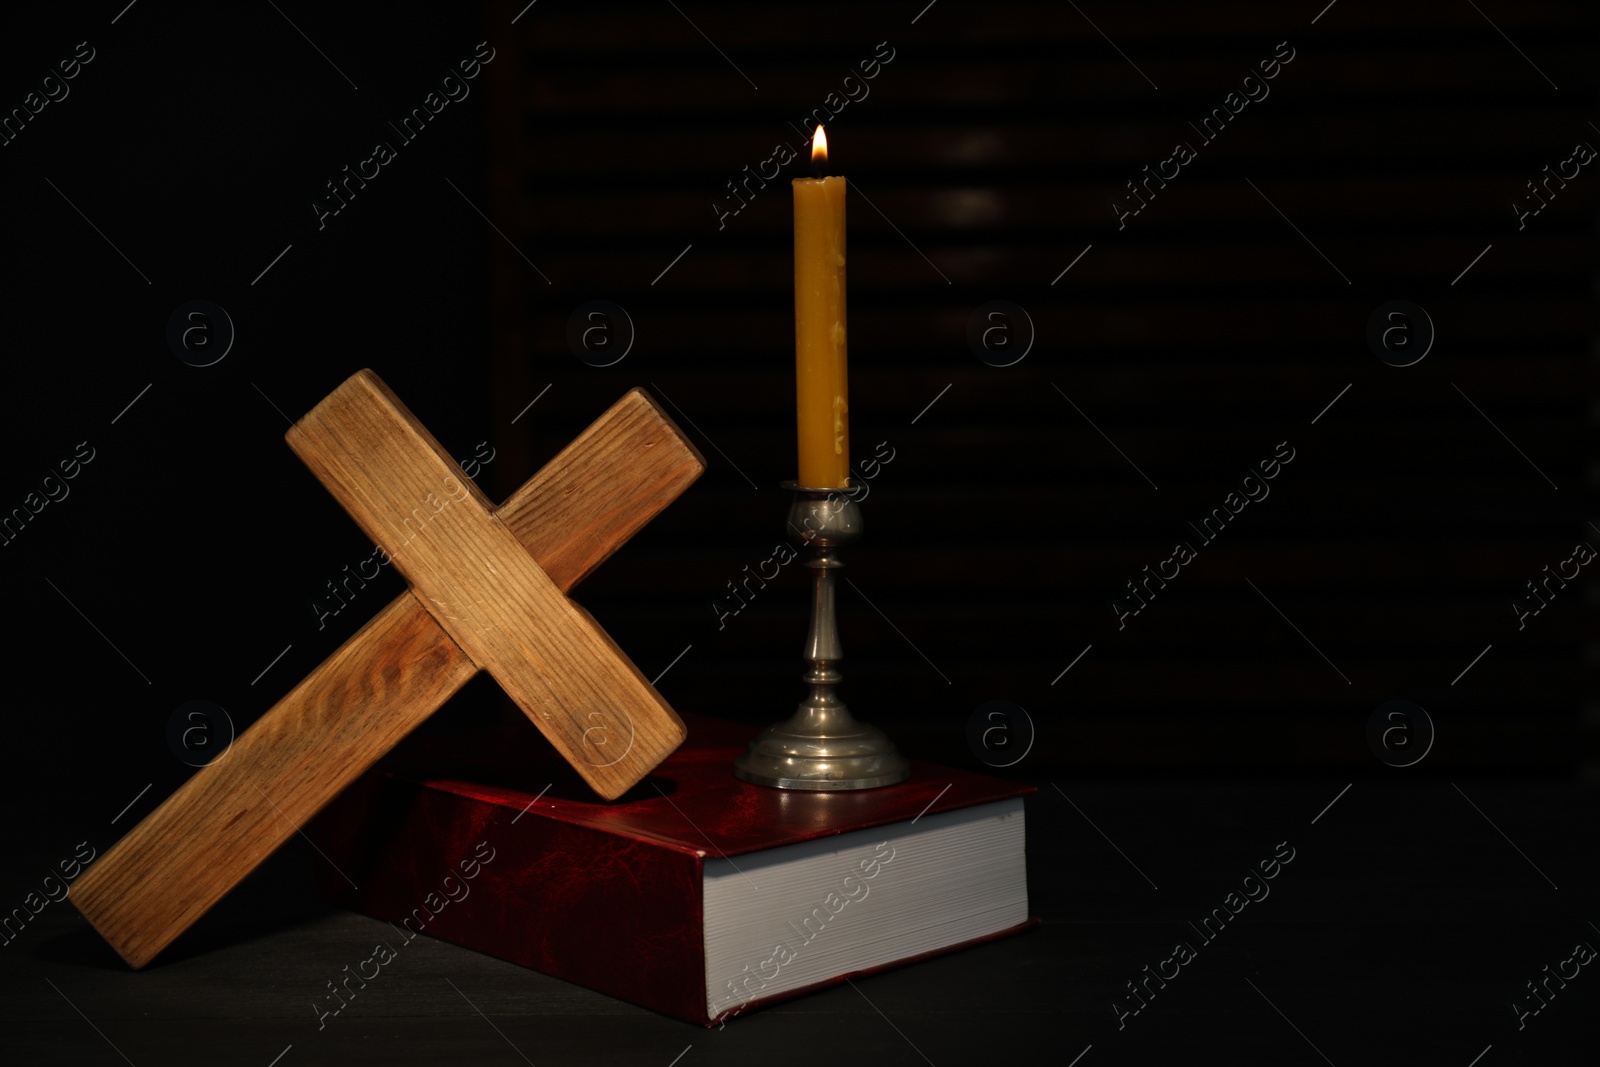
<point>819,151</point>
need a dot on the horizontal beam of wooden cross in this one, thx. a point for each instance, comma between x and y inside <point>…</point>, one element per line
<point>402,666</point>
<point>482,587</point>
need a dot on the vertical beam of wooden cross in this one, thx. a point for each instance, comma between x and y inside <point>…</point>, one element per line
<point>490,596</point>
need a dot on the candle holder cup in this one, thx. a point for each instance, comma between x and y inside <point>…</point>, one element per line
<point>822,747</point>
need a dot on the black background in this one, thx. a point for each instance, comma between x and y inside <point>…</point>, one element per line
<point>1178,351</point>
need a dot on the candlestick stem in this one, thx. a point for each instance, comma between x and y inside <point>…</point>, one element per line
<point>822,746</point>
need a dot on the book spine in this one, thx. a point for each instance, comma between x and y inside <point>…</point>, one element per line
<point>620,915</point>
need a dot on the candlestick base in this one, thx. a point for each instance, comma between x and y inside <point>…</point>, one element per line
<point>800,754</point>
<point>822,747</point>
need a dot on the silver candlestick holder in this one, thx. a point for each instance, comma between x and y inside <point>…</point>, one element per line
<point>822,746</point>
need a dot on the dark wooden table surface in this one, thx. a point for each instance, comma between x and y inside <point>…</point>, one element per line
<point>1407,923</point>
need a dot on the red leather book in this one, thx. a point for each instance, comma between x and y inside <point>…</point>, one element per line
<point>695,894</point>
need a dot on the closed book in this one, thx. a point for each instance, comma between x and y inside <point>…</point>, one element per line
<point>696,895</point>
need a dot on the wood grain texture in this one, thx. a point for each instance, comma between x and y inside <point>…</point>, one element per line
<point>482,586</point>
<point>401,667</point>
<point>654,461</point>
<point>220,824</point>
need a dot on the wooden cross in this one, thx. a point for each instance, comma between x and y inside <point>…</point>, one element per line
<point>487,592</point>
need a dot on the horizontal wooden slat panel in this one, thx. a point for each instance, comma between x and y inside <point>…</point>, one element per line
<point>1174,26</point>
<point>1208,328</point>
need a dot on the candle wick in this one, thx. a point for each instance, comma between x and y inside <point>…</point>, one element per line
<point>819,168</point>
